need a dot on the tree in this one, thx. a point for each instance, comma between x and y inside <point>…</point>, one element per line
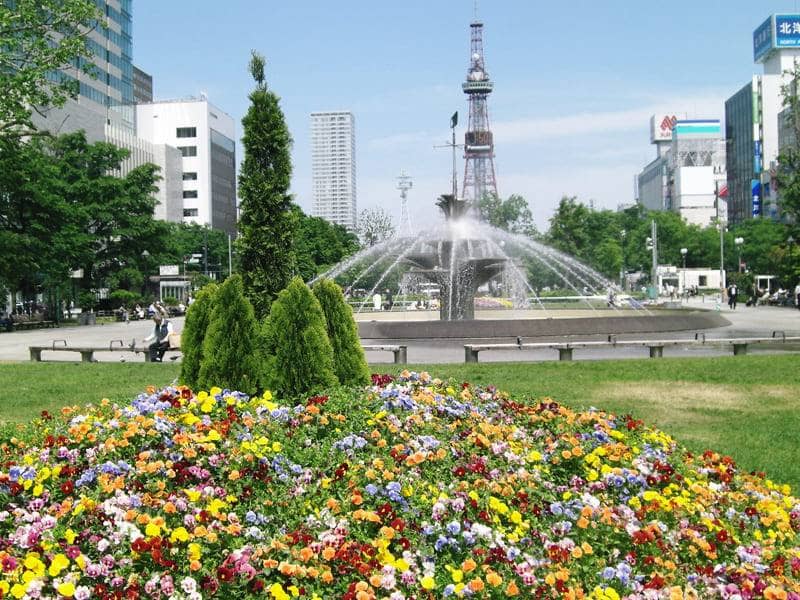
<point>194,334</point>
<point>374,226</point>
<point>300,357</point>
<point>187,239</point>
<point>319,244</point>
<point>349,363</point>
<point>40,39</point>
<point>789,158</point>
<point>229,346</point>
<point>266,221</point>
<point>512,214</point>
<point>569,227</point>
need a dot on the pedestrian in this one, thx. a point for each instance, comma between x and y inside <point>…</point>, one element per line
<point>732,294</point>
<point>160,335</point>
<point>797,295</point>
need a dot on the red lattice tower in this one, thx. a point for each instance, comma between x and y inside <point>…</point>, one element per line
<point>479,177</point>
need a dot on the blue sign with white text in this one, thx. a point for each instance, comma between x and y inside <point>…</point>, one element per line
<point>757,157</point>
<point>787,31</point>
<point>762,39</point>
<point>756,193</point>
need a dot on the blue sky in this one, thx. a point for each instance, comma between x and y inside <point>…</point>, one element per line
<point>575,81</point>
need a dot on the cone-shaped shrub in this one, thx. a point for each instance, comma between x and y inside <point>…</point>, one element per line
<point>300,354</point>
<point>349,363</point>
<point>194,332</point>
<point>229,347</point>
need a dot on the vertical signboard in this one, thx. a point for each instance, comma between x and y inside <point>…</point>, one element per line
<point>762,40</point>
<point>755,186</point>
<point>758,157</point>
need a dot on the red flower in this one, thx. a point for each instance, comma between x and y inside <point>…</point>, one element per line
<point>67,487</point>
<point>140,545</point>
<point>225,573</point>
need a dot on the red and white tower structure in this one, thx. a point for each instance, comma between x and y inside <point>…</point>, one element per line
<point>479,177</point>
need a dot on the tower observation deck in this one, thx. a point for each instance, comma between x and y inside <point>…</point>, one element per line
<point>479,174</point>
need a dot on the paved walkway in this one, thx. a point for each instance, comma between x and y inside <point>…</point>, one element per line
<point>745,322</point>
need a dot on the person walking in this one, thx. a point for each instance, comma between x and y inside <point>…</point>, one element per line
<point>160,336</point>
<point>797,295</point>
<point>733,292</point>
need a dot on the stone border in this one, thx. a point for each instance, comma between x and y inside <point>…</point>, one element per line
<point>487,329</point>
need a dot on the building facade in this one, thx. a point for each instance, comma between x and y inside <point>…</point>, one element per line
<point>204,136</point>
<point>333,167</point>
<point>752,118</point>
<point>142,86</point>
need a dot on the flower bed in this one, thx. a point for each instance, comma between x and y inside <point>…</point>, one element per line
<point>412,489</point>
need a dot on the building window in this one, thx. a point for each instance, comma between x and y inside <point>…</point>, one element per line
<point>702,281</point>
<point>190,176</point>
<point>189,212</point>
<point>188,150</point>
<point>186,132</point>
<point>190,193</point>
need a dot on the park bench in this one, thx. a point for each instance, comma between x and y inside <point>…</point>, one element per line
<point>87,352</point>
<point>34,324</point>
<point>655,347</point>
<point>400,352</point>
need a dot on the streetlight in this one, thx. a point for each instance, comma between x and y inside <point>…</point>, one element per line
<point>622,234</point>
<point>684,251</point>
<point>739,241</point>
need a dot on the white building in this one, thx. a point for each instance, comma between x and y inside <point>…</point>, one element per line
<point>204,135</point>
<point>688,175</point>
<point>333,167</point>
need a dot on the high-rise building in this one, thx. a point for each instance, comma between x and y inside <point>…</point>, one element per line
<point>142,86</point>
<point>333,167</point>
<point>752,120</point>
<point>204,135</point>
<point>106,98</point>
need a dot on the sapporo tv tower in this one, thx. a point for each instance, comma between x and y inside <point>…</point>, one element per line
<point>479,177</point>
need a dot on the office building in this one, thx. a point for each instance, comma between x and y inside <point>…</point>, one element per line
<point>108,97</point>
<point>142,86</point>
<point>752,121</point>
<point>333,167</point>
<point>688,172</point>
<point>204,135</point>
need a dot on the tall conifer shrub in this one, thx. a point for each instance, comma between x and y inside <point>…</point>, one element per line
<point>194,333</point>
<point>266,221</point>
<point>300,354</point>
<point>229,347</point>
<point>349,363</point>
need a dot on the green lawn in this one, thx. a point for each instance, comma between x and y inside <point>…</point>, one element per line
<point>745,406</point>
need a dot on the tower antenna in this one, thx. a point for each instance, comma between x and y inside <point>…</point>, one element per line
<point>479,173</point>
<point>404,184</point>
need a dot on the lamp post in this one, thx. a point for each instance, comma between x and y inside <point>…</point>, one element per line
<point>622,234</point>
<point>739,241</point>
<point>684,251</point>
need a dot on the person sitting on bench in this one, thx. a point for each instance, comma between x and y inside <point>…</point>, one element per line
<point>160,336</point>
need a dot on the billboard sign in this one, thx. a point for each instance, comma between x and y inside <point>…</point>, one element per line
<point>755,186</point>
<point>758,157</point>
<point>661,127</point>
<point>787,31</point>
<point>168,270</point>
<point>762,40</point>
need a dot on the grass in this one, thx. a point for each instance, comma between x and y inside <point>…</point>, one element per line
<point>744,406</point>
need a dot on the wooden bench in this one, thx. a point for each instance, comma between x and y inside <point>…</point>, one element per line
<point>655,347</point>
<point>26,325</point>
<point>400,352</point>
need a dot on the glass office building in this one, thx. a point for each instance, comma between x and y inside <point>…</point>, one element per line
<point>741,113</point>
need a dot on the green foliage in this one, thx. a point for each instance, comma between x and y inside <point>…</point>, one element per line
<point>186,239</point>
<point>63,207</point>
<point>266,221</point>
<point>39,38</point>
<point>124,297</point>
<point>319,244</point>
<point>194,334</point>
<point>512,214</point>
<point>299,353</point>
<point>229,358</point>
<point>349,362</point>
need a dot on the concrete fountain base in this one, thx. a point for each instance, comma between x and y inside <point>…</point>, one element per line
<point>530,323</point>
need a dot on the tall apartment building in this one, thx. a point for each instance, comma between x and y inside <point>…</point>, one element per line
<point>752,121</point>
<point>333,167</point>
<point>204,135</point>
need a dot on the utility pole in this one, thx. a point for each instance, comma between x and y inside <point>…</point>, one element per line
<point>230,257</point>
<point>654,269</point>
<point>205,252</point>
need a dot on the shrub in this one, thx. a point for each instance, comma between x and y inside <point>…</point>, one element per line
<point>229,357</point>
<point>349,363</point>
<point>194,333</point>
<point>300,354</point>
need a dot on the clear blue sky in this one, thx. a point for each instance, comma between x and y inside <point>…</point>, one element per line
<point>575,81</point>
